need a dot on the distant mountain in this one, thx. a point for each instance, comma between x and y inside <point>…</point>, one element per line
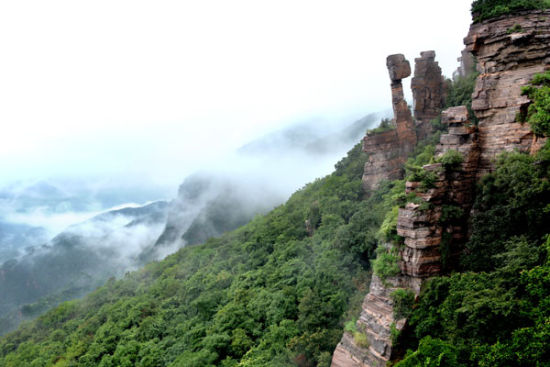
<point>312,137</point>
<point>211,203</point>
<point>77,260</point>
<point>15,237</point>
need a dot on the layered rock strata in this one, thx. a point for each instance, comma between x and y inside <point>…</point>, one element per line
<point>429,92</point>
<point>509,51</point>
<point>376,321</point>
<point>435,229</point>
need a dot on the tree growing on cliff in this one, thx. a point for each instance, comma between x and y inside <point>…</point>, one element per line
<point>486,9</point>
<point>538,112</point>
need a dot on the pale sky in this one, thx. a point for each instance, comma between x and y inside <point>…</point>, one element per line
<point>160,88</point>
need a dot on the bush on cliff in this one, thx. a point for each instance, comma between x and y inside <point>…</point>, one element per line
<point>485,9</point>
<point>538,112</point>
<point>497,312</point>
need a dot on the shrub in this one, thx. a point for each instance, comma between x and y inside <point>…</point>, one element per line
<point>385,125</point>
<point>360,339</point>
<point>388,229</point>
<point>486,9</point>
<point>538,112</point>
<point>394,333</point>
<point>515,29</point>
<point>451,160</point>
<point>386,263</point>
<point>403,300</point>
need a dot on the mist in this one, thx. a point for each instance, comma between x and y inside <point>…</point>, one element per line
<point>92,234</point>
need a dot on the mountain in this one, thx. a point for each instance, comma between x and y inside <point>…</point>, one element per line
<point>311,137</point>
<point>428,245</point>
<point>210,203</point>
<point>77,260</point>
<point>15,237</point>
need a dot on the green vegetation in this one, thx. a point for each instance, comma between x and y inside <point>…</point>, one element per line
<point>386,263</point>
<point>485,9</point>
<point>403,300</point>
<point>359,336</point>
<point>385,125</point>
<point>459,93</point>
<point>497,311</point>
<point>515,29</point>
<point>451,160</point>
<point>268,293</point>
<point>538,112</point>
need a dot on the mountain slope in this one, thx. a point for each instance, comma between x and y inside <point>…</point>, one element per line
<point>269,293</point>
<point>77,261</point>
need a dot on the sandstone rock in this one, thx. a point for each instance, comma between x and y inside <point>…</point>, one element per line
<point>506,61</point>
<point>429,91</point>
<point>398,67</point>
<point>389,150</point>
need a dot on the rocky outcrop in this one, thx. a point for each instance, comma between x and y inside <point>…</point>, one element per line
<point>389,150</point>
<point>435,229</point>
<point>509,51</point>
<point>376,321</point>
<point>429,92</point>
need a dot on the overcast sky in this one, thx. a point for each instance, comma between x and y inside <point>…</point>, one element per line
<point>158,88</point>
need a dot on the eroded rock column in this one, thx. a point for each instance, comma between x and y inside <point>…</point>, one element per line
<point>429,92</point>
<point>389,150</point>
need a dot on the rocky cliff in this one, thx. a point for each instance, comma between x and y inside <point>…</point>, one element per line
<point>509,51</point>
<point>388,150</point>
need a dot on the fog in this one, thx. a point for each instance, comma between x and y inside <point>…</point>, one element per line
<point>88,243</point>
<point>109,107</point>
<point>128,91</point>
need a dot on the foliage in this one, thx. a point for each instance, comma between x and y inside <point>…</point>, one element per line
<point>403,300</point>
<point>516,28</point>
<point>414,167</point>
<point>513,201</point>
<point>395,333</point>
<point>432,352</point>
<point>388,229</point>
<point>265,294</point>
<point>538,112</point>
<point>385,125</point>
<point>386,263</point>
<point>485,9</point>
<point>459,93</point>
<point>360,339</point>
<point>497,312</point>
<point>451,160</point>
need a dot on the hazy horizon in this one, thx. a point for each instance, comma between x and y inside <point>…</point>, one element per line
<point>128,91</point>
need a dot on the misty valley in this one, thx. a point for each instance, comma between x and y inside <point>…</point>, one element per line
<point>40,268</point>
<point>199,184</point>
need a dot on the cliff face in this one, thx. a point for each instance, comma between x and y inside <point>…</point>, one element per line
<point>434,232</point>
<point>389,150</point>
<point>509,51</point>
<point>429,91</point>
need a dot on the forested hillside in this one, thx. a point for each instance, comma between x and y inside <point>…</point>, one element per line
<point>496,311</point>
<point>274,292</point>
